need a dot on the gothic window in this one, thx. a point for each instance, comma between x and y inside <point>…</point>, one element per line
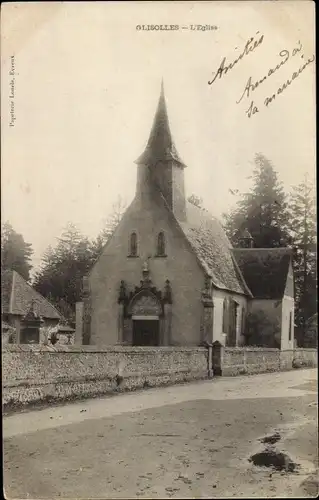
<point>161,244</point>
<point>290,325</point>
<point>133,245</point>
<point>225,316</point>
<point>243,317</point>
<point>231,326</point>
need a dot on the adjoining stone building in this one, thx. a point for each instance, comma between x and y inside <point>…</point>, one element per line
<point>169,275</point>
<point>19,299</point>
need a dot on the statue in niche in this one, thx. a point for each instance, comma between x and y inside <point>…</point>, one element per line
<point>168,292</point>
<point>122,294</point>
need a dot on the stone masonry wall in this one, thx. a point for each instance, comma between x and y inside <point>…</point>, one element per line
<point>249,360</point>
<point>33,373</point>
<point>305,357</point>
<point>39,373</point>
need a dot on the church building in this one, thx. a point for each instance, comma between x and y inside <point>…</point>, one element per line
<point>169,275</point>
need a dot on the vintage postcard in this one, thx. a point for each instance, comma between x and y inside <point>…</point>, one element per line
<point>158,243</point>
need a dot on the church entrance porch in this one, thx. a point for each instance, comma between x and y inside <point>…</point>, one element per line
<point>145,313</point>
<point>146,331</point>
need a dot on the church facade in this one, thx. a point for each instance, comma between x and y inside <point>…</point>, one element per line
<point>169,275</point>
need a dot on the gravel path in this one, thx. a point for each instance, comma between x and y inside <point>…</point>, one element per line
<point>180,442</point>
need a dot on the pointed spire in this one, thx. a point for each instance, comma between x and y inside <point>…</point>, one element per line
<point>160,146</point>
<point>162,88</point>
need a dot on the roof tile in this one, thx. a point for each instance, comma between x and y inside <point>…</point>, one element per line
<point>265,270</point>
<point>213,249</point>
<point>17,296</point>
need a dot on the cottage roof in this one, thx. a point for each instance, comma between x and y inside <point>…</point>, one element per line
<point>265,270</point>
<point>213,249</point>
<point>65,329</point>
<point>17,295</point>
<point>160,146</point>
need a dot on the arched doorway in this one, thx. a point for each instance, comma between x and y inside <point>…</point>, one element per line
<point>146,312</point>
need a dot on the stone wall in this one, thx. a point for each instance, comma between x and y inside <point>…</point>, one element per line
<point>305,357</point>
<point>249,360</point>
<point>39,373</point>
<point>34,373</point>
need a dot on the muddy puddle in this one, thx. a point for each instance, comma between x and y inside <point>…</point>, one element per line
<point>275,460</point>
<point>272,458</point>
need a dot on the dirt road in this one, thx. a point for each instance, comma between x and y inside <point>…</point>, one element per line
<point>187,441</point>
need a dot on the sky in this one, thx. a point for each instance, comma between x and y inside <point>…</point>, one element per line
<point>86,87</point>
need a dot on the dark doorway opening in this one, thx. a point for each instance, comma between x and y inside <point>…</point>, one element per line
<point>30,336</point>
<point>146,332</point>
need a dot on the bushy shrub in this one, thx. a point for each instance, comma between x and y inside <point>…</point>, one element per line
<point>262,331</point>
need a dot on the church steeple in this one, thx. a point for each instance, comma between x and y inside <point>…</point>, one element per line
<point>160,146</point>
<point>160,168</point>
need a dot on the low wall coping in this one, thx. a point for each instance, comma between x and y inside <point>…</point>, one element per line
<point>253,349</point>
<point>268,349</point>
<point>305,349</point>
<point>137,349</point>
<point>95,349</point>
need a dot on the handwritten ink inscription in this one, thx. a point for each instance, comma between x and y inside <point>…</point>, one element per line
<point>251,85</point>
<point>250,46</point>
<point>254,84</point>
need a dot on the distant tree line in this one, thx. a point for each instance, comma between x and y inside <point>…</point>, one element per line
<point>59,277</point>
<point>273,218</point>
<point>15,252</point>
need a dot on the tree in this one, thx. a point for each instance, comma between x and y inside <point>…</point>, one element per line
<point>195,200</point>
<point>262,330</point>
<point>109,226</point>
<point>15,252</point>
<point>302,206</point>
<point>310,338</point>
<point>63,267</point>
<point>60,276</point>
<point>262,211</point>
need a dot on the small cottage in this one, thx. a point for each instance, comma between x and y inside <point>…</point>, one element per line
<point>19,300</point>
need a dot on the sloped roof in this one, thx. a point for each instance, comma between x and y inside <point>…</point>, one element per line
<point>17,296</point>
<point>213,249</point>
<point>6,287</point>
<point>160,146</point>
<point>265,270</point>
<point>65,329</point>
